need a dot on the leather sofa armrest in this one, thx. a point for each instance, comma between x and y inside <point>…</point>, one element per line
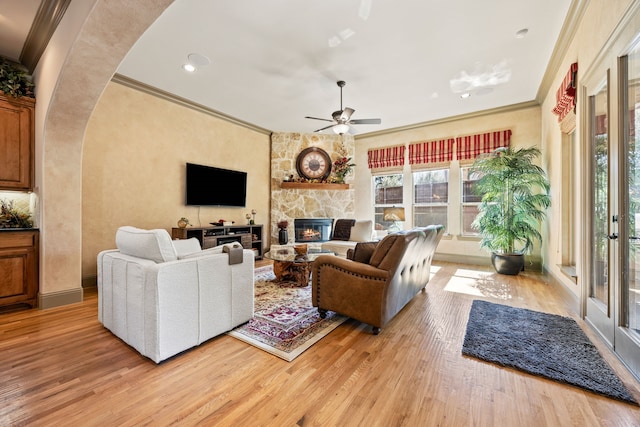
<point>353,289</point>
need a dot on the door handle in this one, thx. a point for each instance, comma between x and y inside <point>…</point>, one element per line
<point>634,237</point>
<point>613,236</point>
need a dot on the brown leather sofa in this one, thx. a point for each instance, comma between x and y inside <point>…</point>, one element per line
<point>378,279</point>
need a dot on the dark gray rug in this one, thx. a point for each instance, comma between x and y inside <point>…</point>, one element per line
<point>542,344</point>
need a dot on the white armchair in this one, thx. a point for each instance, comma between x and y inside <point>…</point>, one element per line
<point>163,297</point>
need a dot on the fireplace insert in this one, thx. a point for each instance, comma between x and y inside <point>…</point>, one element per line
<point>312,229</point>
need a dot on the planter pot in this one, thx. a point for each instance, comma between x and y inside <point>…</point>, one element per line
<point>510,264</point>
<point>283,237</point>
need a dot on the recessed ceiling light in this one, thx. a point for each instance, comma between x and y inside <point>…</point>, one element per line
<point>189,68</point>
<point>522,33</point>
<point>465,95</point>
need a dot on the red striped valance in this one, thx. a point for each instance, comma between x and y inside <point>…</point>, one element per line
<point>431,152</point>
<point>470,146</point>
<point>566,94</point>
<point>386,157</point>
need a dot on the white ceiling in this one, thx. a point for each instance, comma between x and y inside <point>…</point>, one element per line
<point>275,62</point>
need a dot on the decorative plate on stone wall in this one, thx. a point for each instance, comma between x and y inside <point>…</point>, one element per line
<point>313,163</point>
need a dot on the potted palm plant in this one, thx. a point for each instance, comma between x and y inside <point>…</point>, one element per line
<point>515,195</point>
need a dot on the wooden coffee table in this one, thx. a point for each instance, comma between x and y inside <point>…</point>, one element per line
<point>294,268</point>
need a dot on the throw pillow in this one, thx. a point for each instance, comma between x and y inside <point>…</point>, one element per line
<point>363,251</point>
<point>154,244</point>
<point>342,229</point>
<point>211,251</point>
<point>382,248</point>
<point>186,246</point>
<point>362,231</point>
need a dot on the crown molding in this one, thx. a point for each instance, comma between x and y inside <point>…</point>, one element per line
<point>491,111</point>
<point>44,24</point>
<point>159,93</point>
<point>570,26</point>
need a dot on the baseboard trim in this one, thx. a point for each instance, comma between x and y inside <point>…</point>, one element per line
<point>567,296</point>
<point>531,263</point>
<point>459,259</point>
<point>58,299</point>
<point>90,281</point>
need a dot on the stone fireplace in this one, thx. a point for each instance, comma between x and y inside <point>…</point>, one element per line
<point>312,230</point>
<point>288,204</point>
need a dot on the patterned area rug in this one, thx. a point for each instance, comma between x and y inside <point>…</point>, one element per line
<point>284,323</point>
<point>542,344</point>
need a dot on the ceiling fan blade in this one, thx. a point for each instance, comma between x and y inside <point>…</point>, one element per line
<point>326,127</point>
<point>365,122</point>
<point>346,114</point>
<point>318,118</point>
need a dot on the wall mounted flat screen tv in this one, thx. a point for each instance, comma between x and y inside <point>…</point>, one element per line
<point>210,186</point>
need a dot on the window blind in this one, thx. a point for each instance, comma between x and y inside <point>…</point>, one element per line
<point>470,146</point>
<point>439,151</point>
<point>566,93</point>
<point>386,157</point>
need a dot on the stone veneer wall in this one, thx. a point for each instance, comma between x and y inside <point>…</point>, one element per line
<point>288,204</point>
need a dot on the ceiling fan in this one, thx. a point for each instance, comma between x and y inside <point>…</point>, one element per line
<point>342,118</point>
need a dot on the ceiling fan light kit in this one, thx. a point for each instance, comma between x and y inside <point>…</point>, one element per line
<point>340,128</point>
<point>342,118</point>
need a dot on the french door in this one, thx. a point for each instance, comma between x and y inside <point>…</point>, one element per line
<point>612,302</point>
<point>604,221</point>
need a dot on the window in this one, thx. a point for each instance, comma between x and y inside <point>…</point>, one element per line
<point>470,200</point>
<point>387,191</point>
<point>568,202</point>
<point>430,197</point>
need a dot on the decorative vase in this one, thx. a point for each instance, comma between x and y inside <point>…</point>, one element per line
<point>182,223</point>
<point>283,236</point>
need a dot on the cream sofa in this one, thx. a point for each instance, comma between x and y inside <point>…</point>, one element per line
<point>163,297</point>
<point>360,231</point>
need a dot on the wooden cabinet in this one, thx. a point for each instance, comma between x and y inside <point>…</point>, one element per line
<point>17,143</point>
<point>18,267</point>
<point>249,236</point>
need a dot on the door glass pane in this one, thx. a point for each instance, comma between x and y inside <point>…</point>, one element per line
<point>599,289</point>
<point>631,287</point>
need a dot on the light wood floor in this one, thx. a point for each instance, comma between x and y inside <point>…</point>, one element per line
<point>61,367</point>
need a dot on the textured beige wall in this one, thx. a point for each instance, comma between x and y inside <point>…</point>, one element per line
<point>524,123</point>
<point>598,23</point>
<point>133,167</point>
<point>82,55</point>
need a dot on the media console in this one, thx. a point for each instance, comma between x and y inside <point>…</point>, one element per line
<point>249,236</point>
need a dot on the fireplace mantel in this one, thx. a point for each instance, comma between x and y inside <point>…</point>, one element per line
<point>314,186</point>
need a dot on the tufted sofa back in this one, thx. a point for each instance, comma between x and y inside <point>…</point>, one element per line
<point>407,256</point>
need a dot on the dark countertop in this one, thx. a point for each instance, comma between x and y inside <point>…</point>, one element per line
<point>18,229</point>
